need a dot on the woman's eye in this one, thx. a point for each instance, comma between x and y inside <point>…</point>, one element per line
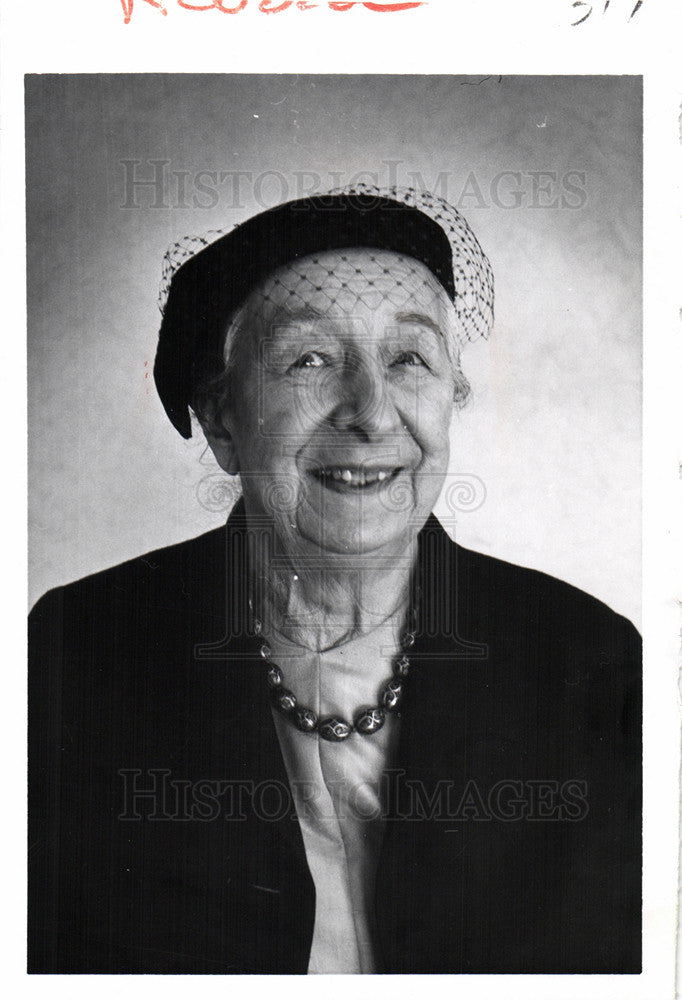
<point>311,359</point>
<point>409,359</point>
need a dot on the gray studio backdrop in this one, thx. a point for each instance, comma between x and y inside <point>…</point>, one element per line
<point>545,465</point>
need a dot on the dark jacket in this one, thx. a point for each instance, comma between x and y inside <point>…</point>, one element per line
<point>512,840</point>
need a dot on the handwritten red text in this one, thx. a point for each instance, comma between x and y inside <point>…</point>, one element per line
<point>265,6</point>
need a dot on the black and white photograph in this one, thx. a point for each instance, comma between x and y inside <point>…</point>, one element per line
<point>335,441</point>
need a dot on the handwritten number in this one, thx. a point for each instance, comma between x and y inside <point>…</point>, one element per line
<point>607,4</point>
<point>581,3</point>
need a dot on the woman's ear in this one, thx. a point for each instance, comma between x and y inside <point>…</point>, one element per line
<point>219,438</point>
<point>223,447</point>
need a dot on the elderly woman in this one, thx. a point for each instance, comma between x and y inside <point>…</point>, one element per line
<point>326,738</point>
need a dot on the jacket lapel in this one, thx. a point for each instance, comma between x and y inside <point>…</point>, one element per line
<point>278,893</point>
<point>432,746</point>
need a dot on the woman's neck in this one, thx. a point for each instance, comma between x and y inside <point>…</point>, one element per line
<point>325,601</point>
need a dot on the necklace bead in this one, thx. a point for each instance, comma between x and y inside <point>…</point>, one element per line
<point>275,676</point>
<point>392,694</point>
<point>401,666</point>
<point>306,720</point>
<point>334,730</point>
<point>284,699</point>
<point>370,721</point>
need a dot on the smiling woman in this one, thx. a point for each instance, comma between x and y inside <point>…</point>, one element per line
<point>331,645</point>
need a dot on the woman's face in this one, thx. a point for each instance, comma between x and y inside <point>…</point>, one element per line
<point>342,398</point>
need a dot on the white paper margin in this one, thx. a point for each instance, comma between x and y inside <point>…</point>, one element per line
<point>448,36</point>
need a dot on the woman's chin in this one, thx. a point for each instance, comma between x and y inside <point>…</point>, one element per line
<point>339,536</point>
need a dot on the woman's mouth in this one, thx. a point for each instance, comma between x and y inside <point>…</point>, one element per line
<point>342,478</point>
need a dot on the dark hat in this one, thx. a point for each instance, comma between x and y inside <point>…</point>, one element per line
<point>207,289</point>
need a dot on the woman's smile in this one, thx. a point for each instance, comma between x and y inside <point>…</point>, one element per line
<point>342,479</point>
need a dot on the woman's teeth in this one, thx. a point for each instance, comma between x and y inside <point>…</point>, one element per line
<point>357,477</point>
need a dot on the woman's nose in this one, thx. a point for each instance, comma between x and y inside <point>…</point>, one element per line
<point>363,402</point>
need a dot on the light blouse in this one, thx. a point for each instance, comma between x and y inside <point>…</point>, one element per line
<point>338,788</point>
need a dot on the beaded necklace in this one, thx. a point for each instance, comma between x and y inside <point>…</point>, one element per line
<point>333,728</point>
